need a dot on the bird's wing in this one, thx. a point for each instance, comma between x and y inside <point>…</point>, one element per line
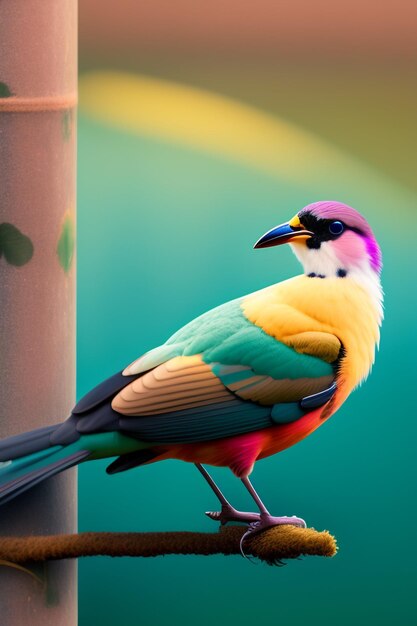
<point>227,377</point>
<point>106,390</point>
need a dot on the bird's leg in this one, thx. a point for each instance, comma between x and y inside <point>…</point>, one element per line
<point>228,513</point>
<point>266,520</point>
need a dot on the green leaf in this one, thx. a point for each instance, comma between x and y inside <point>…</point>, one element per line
<point>66,244</point>
<point>16,247</point>
<point>4,91</point>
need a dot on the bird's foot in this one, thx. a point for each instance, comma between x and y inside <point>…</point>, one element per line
<point>269,521</point>
<point>230,514</point>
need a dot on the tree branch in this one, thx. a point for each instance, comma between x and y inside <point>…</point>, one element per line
<point>270,546</point>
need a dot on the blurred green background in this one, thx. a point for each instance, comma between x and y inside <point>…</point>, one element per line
<point>197,134</point>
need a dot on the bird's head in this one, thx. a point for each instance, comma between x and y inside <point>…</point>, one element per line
<point>330,239</point>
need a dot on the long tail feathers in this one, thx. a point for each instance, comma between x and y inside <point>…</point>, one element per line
<point>26,443</point>
<point>29,459</point>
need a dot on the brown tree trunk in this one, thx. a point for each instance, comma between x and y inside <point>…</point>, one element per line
<point>38,74</point>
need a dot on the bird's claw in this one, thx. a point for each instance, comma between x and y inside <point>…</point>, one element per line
<point>268,521</point>
<point>257,522</point>
<point>230,514</point>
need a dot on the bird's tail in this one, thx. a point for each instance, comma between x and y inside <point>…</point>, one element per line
<point>28,459</point>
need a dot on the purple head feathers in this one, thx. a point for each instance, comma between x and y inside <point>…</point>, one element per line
<point>332,210</point>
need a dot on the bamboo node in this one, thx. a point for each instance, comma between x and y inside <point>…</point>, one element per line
<point>23,104</point>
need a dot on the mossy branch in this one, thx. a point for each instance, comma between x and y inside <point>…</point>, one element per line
<point>271,546</point>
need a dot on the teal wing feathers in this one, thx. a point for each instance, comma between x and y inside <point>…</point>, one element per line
<point>226,336</point>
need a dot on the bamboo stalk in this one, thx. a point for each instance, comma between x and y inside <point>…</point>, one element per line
<point>38,82</point>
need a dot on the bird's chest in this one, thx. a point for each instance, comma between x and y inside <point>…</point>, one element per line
<point>330,307</point>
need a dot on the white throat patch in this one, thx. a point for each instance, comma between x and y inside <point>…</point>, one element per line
<point>324,263</point>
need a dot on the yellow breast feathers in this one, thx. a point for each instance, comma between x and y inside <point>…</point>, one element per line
<point>318,317</point>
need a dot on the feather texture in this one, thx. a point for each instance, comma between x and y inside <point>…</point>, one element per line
<point>230,378</point>
<point>343,309</point>
<point>183,382</point>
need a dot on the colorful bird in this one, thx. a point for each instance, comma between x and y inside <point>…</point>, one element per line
<point>239,383</point>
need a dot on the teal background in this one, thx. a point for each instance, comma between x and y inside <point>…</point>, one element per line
<point>164,233</point>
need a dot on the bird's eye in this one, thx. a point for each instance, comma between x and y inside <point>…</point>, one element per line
<point>336,228</point>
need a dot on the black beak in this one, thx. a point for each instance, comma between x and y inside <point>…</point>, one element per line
<point>285,233</point>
